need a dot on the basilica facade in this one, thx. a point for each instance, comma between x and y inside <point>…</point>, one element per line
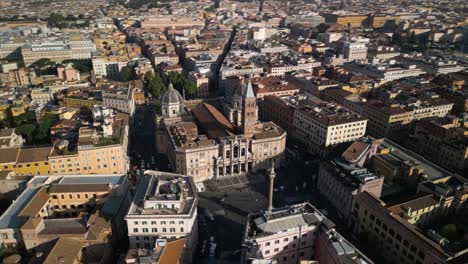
<point>215,138</point>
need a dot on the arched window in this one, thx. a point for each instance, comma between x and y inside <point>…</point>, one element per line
<point>242,152</point>
<point>236,151</point>
<point>228,154</point>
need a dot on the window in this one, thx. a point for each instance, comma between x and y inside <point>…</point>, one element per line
<point>54,196</point>
<point>181,229</point>
<point>276,249</point>
<point>135,223</point>
<point>276,242</point>
<point>286,239</point>
<point>135,230</point>
<point>267,244</point>
<point>153,222</point>
<point>267,252</point>
<point>301,254</point>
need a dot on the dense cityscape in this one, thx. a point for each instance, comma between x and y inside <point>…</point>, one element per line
<point>222,132</point>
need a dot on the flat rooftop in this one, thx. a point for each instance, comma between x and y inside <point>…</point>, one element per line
<point>265,223</point>
<point>161,193</point>
<point>399,154</point>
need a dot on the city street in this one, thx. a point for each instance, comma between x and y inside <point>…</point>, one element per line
<point>142,139</point>
<point>223,211</point>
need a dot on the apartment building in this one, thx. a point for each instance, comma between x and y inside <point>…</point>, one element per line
<point>396,163</point>
<point>443,141</point>
<point>202,84</point>
<point>55,51</point>
<point>393,121</point>
<point>346,19</point>
<point>354,51</point>
<point>103,152</point>
<point>432,65</point>
<point>393,234</point>
<point>22,77</point>
<point>119,98</point>
<point>382,53</point>
<point>9,139</point>
<point>340,183</point>
<point>271,85</point>
<point>164,206</point>
<point>296,233</point>
<point>109,67</point>
<point>323,124</point>
<point>386,71</point>
<point>170,21</point>
<point>68,73</point>
<point>279,111</point>
<point>58,206</point>
<point>40,96</point>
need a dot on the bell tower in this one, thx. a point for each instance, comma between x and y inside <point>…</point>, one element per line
<point>249,110</point>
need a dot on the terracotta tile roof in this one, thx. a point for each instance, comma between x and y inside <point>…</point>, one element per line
<point>355,151</point>
<point>9,155</point>
<point>66,250</point>
<point>36,203</point>
<point>66,188</point>
<point>213,122</point>
<point>173,252</point>
<point>33,154</point>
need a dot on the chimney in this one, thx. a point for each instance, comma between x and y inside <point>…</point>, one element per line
<point>272,179</point>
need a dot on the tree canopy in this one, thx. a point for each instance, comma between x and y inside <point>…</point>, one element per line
<point>126,74</point>
<point>35,132</point>
<point>181,83</point>
<point>154,84</point>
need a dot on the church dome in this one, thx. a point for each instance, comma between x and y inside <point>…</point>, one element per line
<point>171,97</point>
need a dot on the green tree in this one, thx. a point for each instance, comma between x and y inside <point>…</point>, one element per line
<point>156,86</point>
<point>126,74</point>
<point>190,87</point>
<point>25,118</point>
<point>56,20</point>
<point>27,131</point>
<point>181,83</point>
<point>42,133</point>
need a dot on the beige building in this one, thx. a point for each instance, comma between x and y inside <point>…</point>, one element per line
<point>323,124</point>
<point>403,233</point>
<point>443,141</point>
<point>204,143</point>
<point>95,153</point>
<point>62,206</point>
<point>164,206</point>
<point>393,121</point>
